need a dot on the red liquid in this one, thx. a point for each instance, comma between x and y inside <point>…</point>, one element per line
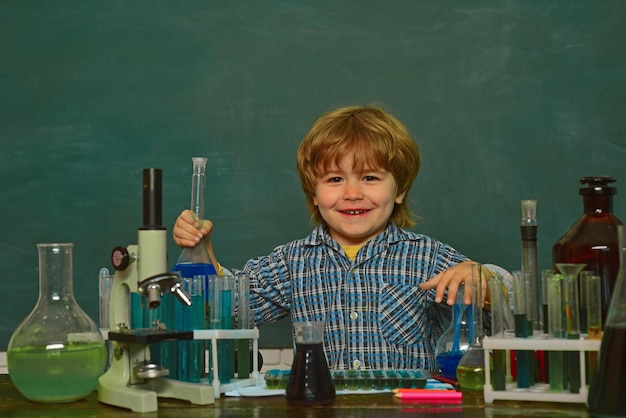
<point>310,382</point>
<point>608,386</point>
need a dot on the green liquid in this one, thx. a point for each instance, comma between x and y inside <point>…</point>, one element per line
<point>59,375</point>
<point>472,378</point>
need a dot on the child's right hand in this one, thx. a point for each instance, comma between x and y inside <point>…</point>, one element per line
<point>187,232</point>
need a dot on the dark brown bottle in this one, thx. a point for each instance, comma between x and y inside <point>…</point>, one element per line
<point>592,239</point>
<point>310,382</point>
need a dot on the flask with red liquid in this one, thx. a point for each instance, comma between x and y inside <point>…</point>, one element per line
<point>592,239</point>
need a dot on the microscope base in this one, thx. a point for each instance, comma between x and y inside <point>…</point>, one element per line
<point>119,386</point>
<point>143,398</point>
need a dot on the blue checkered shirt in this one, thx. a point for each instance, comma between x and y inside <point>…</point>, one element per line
<point>376,317</point>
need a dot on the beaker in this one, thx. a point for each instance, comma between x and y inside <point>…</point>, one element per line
<point>470,372</point>
<point>310,382</point>
<point>57,353</point>
<point>608,385</point>
<point>455,340</point>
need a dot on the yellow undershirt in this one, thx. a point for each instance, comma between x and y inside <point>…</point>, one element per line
<point>351,250</point>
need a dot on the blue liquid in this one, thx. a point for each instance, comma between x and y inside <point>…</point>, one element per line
<point>190,362</point>
<point>189,270</point>
<point>225,347</point>
<point>448,363</point>
<point>523,356</point>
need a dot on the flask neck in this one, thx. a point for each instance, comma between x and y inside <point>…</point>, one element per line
<point>598,205</point>
<point>55,273</point>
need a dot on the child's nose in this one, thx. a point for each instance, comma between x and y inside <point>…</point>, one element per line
<point>353,191</point>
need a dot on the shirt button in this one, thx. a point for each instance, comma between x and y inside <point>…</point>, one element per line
<point>356,364</point>
<point>354,315</point>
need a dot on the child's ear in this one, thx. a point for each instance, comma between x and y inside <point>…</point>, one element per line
<point>400,198</point>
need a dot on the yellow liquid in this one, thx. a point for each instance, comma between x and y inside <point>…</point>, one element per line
<point>471,377</point>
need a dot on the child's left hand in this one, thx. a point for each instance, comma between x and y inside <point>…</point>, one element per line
<point>451,279</point>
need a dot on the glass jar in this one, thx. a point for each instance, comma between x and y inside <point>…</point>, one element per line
<point>592,239</point>
<point>57,353</point>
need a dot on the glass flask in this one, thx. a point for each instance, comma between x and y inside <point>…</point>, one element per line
<point>193,263</point>
<point>470,373</point>
<point>608,385</point>
<point>310,382</point>
<point>455,340</point>
<point>57,353</point>
<point>592,239</point>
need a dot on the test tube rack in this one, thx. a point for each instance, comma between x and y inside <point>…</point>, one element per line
<point>540,391</point>
<point>213,335</point>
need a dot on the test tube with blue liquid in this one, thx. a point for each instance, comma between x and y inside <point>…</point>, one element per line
<point>191,352</point>
<point>243,322</point>
<point>520,286</point>
<point>221,304</point>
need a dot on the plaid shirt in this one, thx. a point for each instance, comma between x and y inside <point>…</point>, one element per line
<point>376,317</point>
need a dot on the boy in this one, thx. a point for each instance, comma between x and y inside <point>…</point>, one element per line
<point>377,286</point>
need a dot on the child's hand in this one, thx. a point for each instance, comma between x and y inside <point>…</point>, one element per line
<point>187,232</point>
<point>451,279</point>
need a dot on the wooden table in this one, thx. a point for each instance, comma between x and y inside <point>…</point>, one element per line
<point>13,404</point>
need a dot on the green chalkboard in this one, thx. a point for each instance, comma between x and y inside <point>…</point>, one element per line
<point>508,100</point>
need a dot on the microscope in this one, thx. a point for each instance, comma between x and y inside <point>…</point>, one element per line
<point>133,381</point>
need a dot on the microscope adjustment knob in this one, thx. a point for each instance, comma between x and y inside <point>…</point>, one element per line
<point>120,257</point>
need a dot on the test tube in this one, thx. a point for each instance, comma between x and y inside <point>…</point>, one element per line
<point>570,272</point>
<point>498,380</point>
<point>555,330</point>
<point>105,280</point>
<point>582,297</point>
<point>545,274</point>
<point>520,280</point>
<point>594,316</point>
<point>243,322</point>
<point>221,307</point>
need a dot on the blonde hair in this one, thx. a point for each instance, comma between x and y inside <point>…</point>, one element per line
<point>375,138</point>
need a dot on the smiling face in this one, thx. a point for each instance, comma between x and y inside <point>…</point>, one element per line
<point>356,204</point>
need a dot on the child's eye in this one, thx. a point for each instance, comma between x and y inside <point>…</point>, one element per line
<point>334,179</point>
<point>370,178</point>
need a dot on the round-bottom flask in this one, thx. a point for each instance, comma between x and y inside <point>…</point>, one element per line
<point>310,382</point>
<point>57,353</point>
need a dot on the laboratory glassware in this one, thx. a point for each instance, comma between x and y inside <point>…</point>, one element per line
<point>470,372</point>
<point>524,362</point>
<point>556,329</point>
<point>592,239</point>
<point>528,230</point>
<point>501,322</point>
<point>570,272</point>
<point>455,340</point>
<point>608,385</point>
<point>193,262</point>
<point>57,353</point>
<point>310,382</point>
